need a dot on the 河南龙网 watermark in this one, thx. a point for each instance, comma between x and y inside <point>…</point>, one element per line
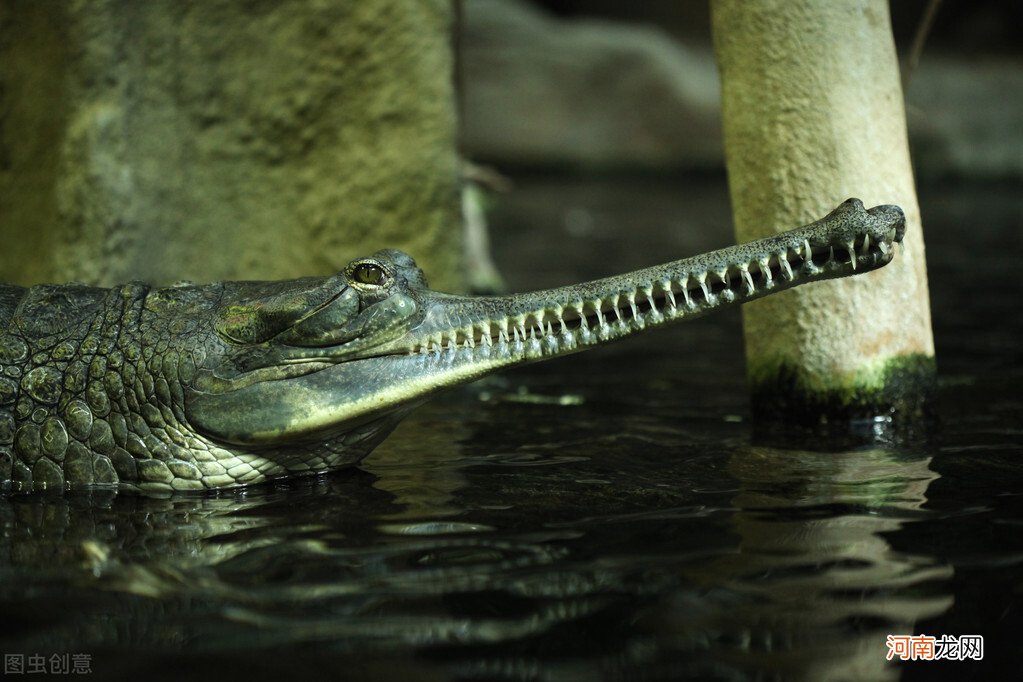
<point>930,648</point>
<point>52,664</point>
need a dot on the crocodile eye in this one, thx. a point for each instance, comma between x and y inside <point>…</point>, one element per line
<point>369,273</point>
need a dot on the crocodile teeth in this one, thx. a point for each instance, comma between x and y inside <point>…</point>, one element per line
<point>750,288</point>
<point>618,311</point>
<point>765,270</point>
<point>808,263</point>
<point>783,260</point>
<point>706,291</point>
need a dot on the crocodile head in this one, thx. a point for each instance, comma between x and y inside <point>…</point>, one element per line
<point>306,360</point>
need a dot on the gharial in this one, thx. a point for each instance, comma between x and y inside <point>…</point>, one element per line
<point>198,387</point>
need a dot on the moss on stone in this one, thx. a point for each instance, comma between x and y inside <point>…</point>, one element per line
<point>898,389</point>
<point>813,114</point>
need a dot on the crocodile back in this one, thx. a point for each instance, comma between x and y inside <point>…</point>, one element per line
<point>52,309</point>
<point>50,336</point>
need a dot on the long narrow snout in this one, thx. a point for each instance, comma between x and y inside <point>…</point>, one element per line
<point>542,324</point>
<point>456,339</point>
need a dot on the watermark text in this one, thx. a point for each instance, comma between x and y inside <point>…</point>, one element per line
<point>930,648</point>
<point>47,664</point>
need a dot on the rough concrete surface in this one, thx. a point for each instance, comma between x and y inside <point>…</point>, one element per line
<point>813,114</point>
<point>173,139</point>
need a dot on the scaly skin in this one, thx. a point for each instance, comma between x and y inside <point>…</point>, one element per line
<point>203,387</point>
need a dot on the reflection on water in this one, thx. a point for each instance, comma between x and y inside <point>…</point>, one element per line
<point>814,562</point>
<point>425,490</point>
<point>612,519</point>
<point>774,560</point>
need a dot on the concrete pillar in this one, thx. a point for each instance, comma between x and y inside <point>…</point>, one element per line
<point>813,114</point>
<point>215,139</point>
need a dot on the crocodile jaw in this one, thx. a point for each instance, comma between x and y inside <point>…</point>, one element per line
<point>460,338</point>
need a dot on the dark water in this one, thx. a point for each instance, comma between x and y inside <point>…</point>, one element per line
<point>609,516</point>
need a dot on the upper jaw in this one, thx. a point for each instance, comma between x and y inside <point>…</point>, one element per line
<point>849,240</point>
<point>498,330</point>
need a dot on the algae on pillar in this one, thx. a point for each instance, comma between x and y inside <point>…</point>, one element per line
<point>174,139</point>
<point>813,113</point>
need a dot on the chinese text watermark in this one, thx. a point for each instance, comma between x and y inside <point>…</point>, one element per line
<point>52,664</point>
<point>930,648</point>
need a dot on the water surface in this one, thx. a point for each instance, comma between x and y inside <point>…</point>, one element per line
<point>608,516</point>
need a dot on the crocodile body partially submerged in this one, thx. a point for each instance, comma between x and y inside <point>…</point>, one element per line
<point>198,387</point>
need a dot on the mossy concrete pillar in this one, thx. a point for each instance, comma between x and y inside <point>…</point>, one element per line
<point>813,114</point>
<point>215,139</point>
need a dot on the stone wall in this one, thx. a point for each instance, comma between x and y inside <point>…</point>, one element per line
<point>205,140</point>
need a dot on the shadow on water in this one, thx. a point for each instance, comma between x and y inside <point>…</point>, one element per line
<point>612,520</point>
